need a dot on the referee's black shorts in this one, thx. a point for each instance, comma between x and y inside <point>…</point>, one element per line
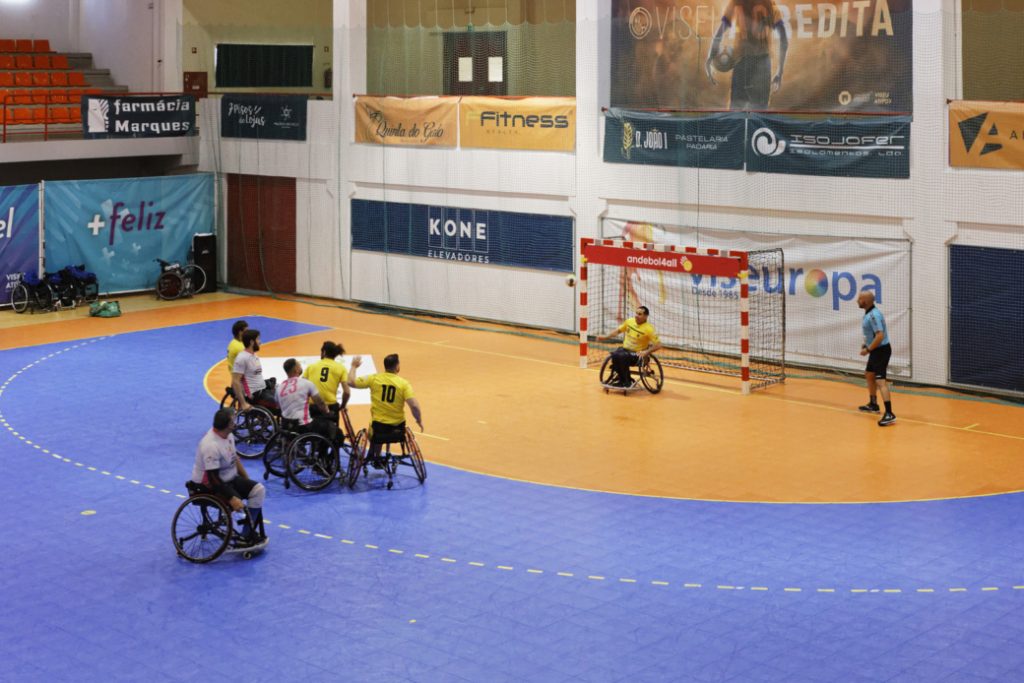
<point>878,360</point>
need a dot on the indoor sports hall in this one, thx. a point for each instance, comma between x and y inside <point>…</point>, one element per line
<point>498,191</point>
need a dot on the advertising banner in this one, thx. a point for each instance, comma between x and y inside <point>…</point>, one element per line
<point>407,121</point>
<point>712,141</point>
<point>138,117</point>
<point>822,278</point>
<point>778,55</point>
<point>493,238</point>
<point>118,227</point>
<point>986,135</point>
<point>867,148</point>
<point>544,123</point>
<point>263,117</point>
<point>19,236</point>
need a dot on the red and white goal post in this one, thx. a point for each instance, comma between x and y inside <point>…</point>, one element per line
<point>714,310</point>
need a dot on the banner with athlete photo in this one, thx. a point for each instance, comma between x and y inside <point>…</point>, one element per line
<point>138,117</point>
<point>778,55</point>
<point>711,141</point>
<point>416,121</point>
<point>263,117</point>
<point>544,123</point>
<point>118,227</point>
<point>19,236</point>
<point>821,280</point>
<point>461,235</point>
<point>876,147</point>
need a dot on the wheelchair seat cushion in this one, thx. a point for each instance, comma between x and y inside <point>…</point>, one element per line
<point>381,433</point>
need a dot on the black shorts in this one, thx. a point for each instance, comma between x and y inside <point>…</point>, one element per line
<point>239,487</point>
<point>751,83</point>
<point>385,433</point>
<point>878,361</point>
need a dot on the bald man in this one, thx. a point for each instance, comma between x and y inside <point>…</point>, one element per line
<point>876,348</point>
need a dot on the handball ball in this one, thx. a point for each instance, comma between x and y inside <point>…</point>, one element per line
<point>570,280</point>
<point>725,60</point>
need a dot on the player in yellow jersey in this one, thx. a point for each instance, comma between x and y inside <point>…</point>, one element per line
<point>640,341</point>
<point>327,374</point>
<point>236,345</point>
<point>389,394</point>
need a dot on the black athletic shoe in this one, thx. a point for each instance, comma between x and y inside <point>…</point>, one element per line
<point>869,408</point>
<point>887,419</point>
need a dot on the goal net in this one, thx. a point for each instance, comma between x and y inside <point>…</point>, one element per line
<point>722,312</point>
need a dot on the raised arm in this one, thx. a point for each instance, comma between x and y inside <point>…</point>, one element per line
<point>356,362</point>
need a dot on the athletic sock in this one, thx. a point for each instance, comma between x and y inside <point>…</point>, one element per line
<point>872,400</point>
<point>888,407</point>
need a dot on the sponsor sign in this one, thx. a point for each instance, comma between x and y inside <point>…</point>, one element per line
<point>821,280</point>
<point>723,266</point>
<point>870,148</point>
<point>19,236</point>
<point>986,135</point>
<point>429,121</point>
<point>778,55</point>
<point>713,141</point>
<point>545,123</point>
<point>264,117</point>
<point>118,227</point>
<point>138,117</point>
<point>492,238</point>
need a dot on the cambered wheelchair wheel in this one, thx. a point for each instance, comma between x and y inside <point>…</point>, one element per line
<point>169,285</point>
<point>607,371</point>
<point>19,298</point>
<point>196,277</point>
<point>275,456</point>
<point>312,463</point>
<point>91,291</point>
<point>415,455</point>
<point>651,374</point>
<point>228,401</point>
<point>202,528</point>
<point>44,297</point>
<point>360,445</point>
<point>253,431</point>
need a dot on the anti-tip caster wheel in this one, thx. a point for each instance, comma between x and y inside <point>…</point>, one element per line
<point>390,484</point>
<point>248,555</point>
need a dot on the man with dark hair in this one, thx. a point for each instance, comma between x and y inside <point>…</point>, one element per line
<point>218,467</point>
<point>753,22</point>
<point>876,347</point>
<point>235,346</point>
<point>293,397</point>
<point>389,394</point>
<point>327,374</point>
<point>639,342</point>
<point>247,374</point>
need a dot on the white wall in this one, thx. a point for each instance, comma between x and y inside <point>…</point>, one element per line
<point>125,37</point>
<point>50,19</point>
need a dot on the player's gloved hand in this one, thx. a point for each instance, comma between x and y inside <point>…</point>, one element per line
<point>709,71</point>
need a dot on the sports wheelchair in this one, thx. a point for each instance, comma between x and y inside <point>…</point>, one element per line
<point>204,528</point>
<point>254,428</point>
<point>648,374</point>
<point>32,292</point>
<point>309,459</point>
<point>176,281</point>
<point>360,462</point>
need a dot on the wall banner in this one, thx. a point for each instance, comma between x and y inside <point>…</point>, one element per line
<point>868,148</point>
<point>493,238</point>
<point>138,117</point>
<point>822,278</point>
<point>778,55</point>
<point>544,123</point>
<point>407,121</point>
<point>712,141</point>
<point>986,135</point>
<point>118,227</point>
<point>19,236</point>
<point>263,117</point>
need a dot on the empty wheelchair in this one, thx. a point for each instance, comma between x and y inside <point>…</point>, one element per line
<point>409,455</point>
<point>254,428</point>
<point>646,374</point>
<point>204,528</point>
<point>32,293</point>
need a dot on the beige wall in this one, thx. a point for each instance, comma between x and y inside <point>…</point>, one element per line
<point>993,49</point>
<point>205,23</point>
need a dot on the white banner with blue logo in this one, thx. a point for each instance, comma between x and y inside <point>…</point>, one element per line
<point>19,235</point>
<point>118,227</point>
<point>822,278</point>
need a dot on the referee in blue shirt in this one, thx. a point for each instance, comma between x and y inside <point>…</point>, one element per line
<point>876,348</point>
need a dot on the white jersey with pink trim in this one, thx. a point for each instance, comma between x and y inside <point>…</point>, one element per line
<point>293,396</point>
<point>249,367</point>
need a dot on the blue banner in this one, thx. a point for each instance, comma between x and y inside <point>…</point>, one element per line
<point>118,227</point>
<point>862,148</point>
<point>19,235</point>
<point>497,238</point>
<point>712,141</point>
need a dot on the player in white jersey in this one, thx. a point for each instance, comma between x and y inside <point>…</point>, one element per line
<point>247,375</point>
<point>294,395</point>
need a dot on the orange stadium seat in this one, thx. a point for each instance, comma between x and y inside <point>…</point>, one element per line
<point>40,95</point>
<point>9,116</point>
<point>59,78</point>
<point>24,45</point>
<point>59,96</point>
<point>41,62</point>
<point>23,62</point>
<point>23,115</point>
<point>6,79</point>
<point>41,79</point>
<point>76,114</point>
<point>23,79</point>
<point>38,114</point>
<point>75,95</point>
<point>76,78</point>
<point>22,97</point>
<point>7,45</point>
<point>59,62</point>
<point>6,61</point>
<point>41,45</point>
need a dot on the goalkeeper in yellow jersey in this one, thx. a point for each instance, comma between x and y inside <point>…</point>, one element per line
<point>640,341</point>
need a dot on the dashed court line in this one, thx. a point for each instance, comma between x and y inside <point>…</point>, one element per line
<point>723,587</point>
